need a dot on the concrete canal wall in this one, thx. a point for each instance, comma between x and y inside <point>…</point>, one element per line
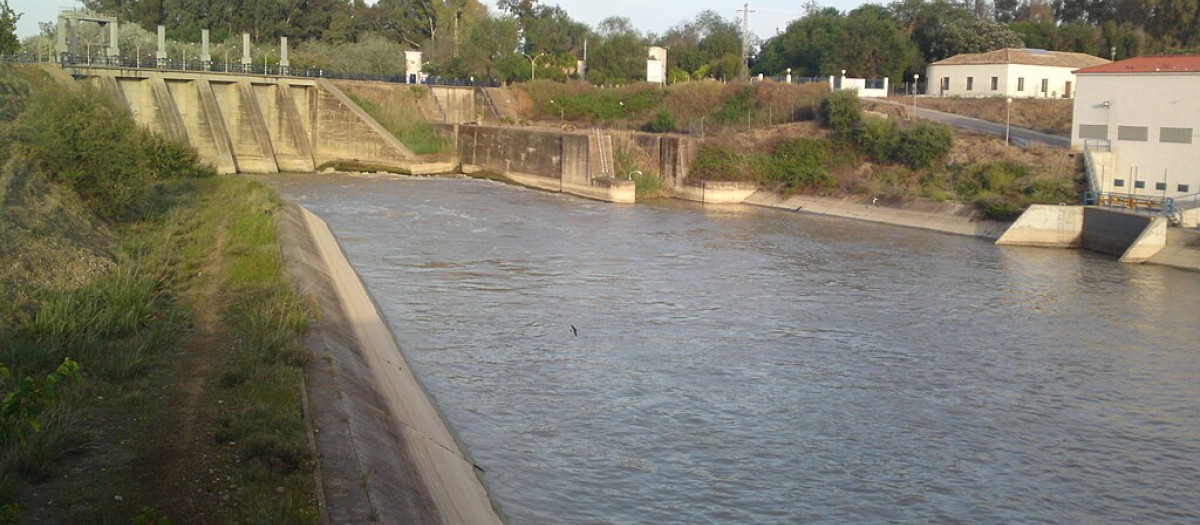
<point>575,163</point>
<point>1132,237</point>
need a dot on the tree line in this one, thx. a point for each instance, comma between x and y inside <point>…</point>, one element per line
<point>524,38</point>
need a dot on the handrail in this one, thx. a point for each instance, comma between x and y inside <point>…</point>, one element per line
<point>1090,147</point>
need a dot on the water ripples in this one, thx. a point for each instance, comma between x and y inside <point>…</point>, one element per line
<point>751,366</point>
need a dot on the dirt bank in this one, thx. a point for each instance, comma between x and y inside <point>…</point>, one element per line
<point>385,453</point>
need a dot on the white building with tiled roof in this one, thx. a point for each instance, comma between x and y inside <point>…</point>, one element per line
<point>1141,120</point>
<point>1016,73</point>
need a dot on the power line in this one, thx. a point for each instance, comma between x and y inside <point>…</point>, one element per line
<point>745,10</point>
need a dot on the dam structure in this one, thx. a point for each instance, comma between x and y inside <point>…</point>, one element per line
<point>258,124</point>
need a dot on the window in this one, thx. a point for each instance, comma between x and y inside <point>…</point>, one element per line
<point>1160,186</point>
<point>1045,85</point>
<point>1119,183</point>
<point>1133,133</point>
<point>945,83</point>
<point>1175,135</point>
<point>1139,184</point>
<point>1093,131</point>
<point>1183,188</point>
<point>1021,84</point>
<point>995,83</point>
<point>970,83</point>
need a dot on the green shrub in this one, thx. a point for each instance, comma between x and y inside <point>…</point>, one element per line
<point>663,122</point>
<point>801,162</point>
<point>736,107</point>
<point>877,138</point>
<point>80,138</point>
<point>716,162</point>
<point>841,112</point>
<point>923,145</point>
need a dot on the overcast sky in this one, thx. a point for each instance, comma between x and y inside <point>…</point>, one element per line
<point>771,15</point>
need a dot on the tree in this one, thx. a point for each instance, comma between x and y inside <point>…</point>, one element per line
<point>620,56</point>
<point>975,36</point>
<point>808,46</point>
<point>9,44</point>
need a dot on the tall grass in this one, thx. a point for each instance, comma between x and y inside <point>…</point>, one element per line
<point>399,115</point>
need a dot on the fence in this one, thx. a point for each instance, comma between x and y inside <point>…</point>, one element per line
<point>240,68</point>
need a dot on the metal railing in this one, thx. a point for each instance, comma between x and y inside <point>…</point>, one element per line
<point>1090,147</point>
<point>73,63</point>
<point>1141,204</point>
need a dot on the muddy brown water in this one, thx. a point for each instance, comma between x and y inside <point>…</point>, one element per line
<point>741,365</point>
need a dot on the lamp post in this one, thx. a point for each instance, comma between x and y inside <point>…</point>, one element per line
<point>1007,118</point>
<point>562,113</point>
<point>266,56</point>
<point>916,82</point>
<point>533,65</point>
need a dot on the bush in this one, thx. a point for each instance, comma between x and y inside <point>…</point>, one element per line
<point>663,122</point>
<point>800,162</point>
<point>716,162</point>
<point>81,139</point>
<point>841,112</point>
<point>923,145</point>
<point>878,138</point>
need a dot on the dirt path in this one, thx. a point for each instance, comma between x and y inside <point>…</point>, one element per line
<point>185,469</point>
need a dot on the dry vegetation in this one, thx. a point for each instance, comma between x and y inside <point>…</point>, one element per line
<point>1045,115</point>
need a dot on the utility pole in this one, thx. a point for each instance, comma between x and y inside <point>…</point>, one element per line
<point>745,40</point>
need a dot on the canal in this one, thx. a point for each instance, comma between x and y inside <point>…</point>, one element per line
<point>674,363</point>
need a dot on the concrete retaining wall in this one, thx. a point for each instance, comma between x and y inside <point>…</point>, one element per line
<point>1045,225</point>
<point>1134,238</point>
<point>458,103</point>
<point>554,161</point>
<point>715,192</point>
<point>1112,232</point>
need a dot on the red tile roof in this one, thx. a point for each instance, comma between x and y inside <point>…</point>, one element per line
<point>1167,64</point>
<point>1035,57</point>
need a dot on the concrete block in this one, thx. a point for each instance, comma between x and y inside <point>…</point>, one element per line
<point>1046,225</point>
<point>1151,241</point>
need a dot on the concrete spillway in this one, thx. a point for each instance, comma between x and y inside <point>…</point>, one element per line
<point>249,124</point>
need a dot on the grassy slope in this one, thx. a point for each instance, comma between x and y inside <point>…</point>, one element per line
<point>395,108</point>
<point>187,334</point>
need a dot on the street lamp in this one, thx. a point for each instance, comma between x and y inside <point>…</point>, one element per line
<point>533,65</point>
<point>916,83</point>
<point>266,56</point>
<point>562,113</point>
<point>1007,118</point>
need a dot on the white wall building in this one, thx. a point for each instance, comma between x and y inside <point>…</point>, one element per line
<point>866,87</point>
<point>1016,73</point>
<point>656,65</point>
<point>412,67</point>
<point>1147,112</point>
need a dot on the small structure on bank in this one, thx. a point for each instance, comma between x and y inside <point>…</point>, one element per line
<point>656,65</point>
<point>1136,120</point>
<point>866,87</point>
<point>412,67</point>
<point>1014,73</point>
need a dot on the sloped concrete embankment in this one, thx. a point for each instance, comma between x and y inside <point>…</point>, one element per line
<point>947,217</point>
<point>385,453</point>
